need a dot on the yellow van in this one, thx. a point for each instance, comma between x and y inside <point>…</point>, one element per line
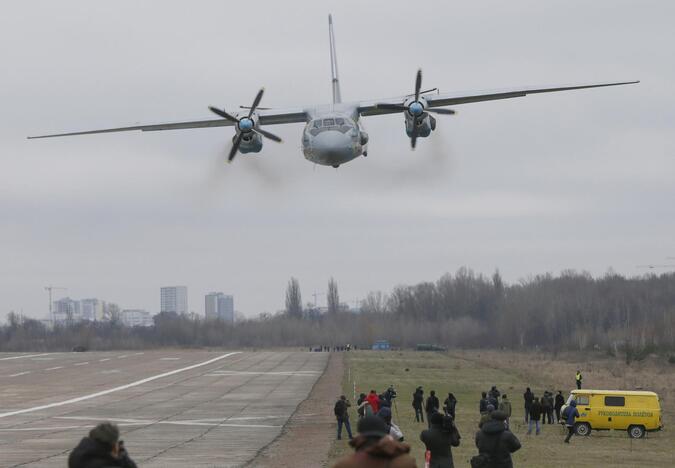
<point>633,411</point>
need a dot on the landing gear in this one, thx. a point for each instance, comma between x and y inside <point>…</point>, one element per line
<point>365,154</point>
<point>336,166</point>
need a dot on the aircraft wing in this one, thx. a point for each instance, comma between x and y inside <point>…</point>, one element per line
<point>447,99</point>
<point>267,117</point>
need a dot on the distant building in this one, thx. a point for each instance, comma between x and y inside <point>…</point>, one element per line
<point>174,299</point>
<point>218,306</point>
<point>91,309</point>
<point>66,310</point>
<point>136,318</point>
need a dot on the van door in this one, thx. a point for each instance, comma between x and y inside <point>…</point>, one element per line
<point>618,416</point>
<point>584,408</point>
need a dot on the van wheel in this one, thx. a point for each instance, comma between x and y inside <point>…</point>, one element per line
<point>636,432</point>
<point>582,429</point>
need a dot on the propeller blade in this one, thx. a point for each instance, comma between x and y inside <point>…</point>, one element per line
<point>418,84</point>
<point>259,108</point>
<point>399,107</point>
<point>235,147</point>
<point>441,111</point>
<point>256,101</point>
<point>223,114</point>
<point>413,140</point>
<point>267,134</point>
<point>428,90</point>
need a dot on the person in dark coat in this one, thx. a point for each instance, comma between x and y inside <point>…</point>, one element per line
<point>528,396</point>
<point>547,408</point>
<point>439,439</point>
<point>342,415</point>
<point>535,415</point>
<point>571,414</point>
<point>559,403</point>
<point>373,448</point>
<point>418,403</point>
<point>432,406</point>
<point>486,417</point>
<point>497,442</point>
<point>102,449</point>
<point>360,409</point>
<point>449,405</point>
<point>483,404</point>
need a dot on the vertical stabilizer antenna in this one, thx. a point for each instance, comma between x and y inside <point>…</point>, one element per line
<point>333,64</point>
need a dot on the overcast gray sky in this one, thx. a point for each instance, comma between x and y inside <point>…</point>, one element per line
<point>578,180</point>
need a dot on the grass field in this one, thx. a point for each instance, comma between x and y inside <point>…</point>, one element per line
<point>467,373</point>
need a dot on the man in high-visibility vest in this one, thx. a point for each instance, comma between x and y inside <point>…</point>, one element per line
<point>579,379</point>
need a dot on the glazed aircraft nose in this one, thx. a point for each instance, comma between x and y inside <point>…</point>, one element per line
<point>332,142</point>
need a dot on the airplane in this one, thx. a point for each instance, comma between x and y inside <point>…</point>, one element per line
<point>333,133</point>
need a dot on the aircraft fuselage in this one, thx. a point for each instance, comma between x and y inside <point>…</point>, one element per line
<point>333,136</point>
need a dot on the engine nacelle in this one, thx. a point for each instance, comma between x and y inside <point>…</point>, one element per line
<point>416,116</point>
<point>424,124</point>
<point>251,142</point>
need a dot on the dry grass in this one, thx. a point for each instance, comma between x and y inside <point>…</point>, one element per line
<point>467,373</point>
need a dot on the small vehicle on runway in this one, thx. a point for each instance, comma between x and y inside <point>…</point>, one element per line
<point>636,412</point>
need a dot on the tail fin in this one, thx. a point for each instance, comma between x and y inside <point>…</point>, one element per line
<point>333,63</point>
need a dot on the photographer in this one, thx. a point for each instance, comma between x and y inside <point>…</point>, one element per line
<point>102,449</point>
<point>439,439</point>
<point>390,394</point>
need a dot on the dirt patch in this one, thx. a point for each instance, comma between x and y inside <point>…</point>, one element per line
<point>308,435</point>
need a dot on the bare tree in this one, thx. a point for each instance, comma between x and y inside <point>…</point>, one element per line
<point>332,297</point>
<point>293,299</point>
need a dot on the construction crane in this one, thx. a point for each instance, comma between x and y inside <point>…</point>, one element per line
<point>50,289</point>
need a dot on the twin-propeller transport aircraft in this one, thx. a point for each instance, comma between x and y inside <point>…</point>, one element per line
<point>333,133</point>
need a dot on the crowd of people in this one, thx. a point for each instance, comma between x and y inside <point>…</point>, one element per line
<point>379,439</point>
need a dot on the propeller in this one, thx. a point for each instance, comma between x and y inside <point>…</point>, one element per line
<point>245,124</point>
<point>416,109</point>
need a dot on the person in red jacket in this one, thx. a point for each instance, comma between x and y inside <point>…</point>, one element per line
<point>374,401</point>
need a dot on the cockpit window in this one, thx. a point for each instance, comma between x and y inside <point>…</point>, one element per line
<point>328,122</point>
<point>317,124</point>
<point>340,121</point>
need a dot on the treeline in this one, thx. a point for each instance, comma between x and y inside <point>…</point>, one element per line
<point>570,311</point>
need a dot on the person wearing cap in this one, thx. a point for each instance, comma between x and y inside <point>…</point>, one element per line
<point>394,431</point>
<point>439,439</point>
<point>496,443</point>
<point>102,449</point>
<point>374,448</point>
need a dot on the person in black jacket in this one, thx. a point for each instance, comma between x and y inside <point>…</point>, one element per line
<point>528,396</point>
<point>341,411</point>
<point>102,449</point>
<point>559,403</point>
<point>432,406</point>
<point>439,439</point>
<point>449,405</point>
<point>418,403</point>
<point>496,442</point>
<point>535,415</point>
<point>483,404</point>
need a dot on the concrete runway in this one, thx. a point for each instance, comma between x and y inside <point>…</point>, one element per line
<point>174,408</point>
